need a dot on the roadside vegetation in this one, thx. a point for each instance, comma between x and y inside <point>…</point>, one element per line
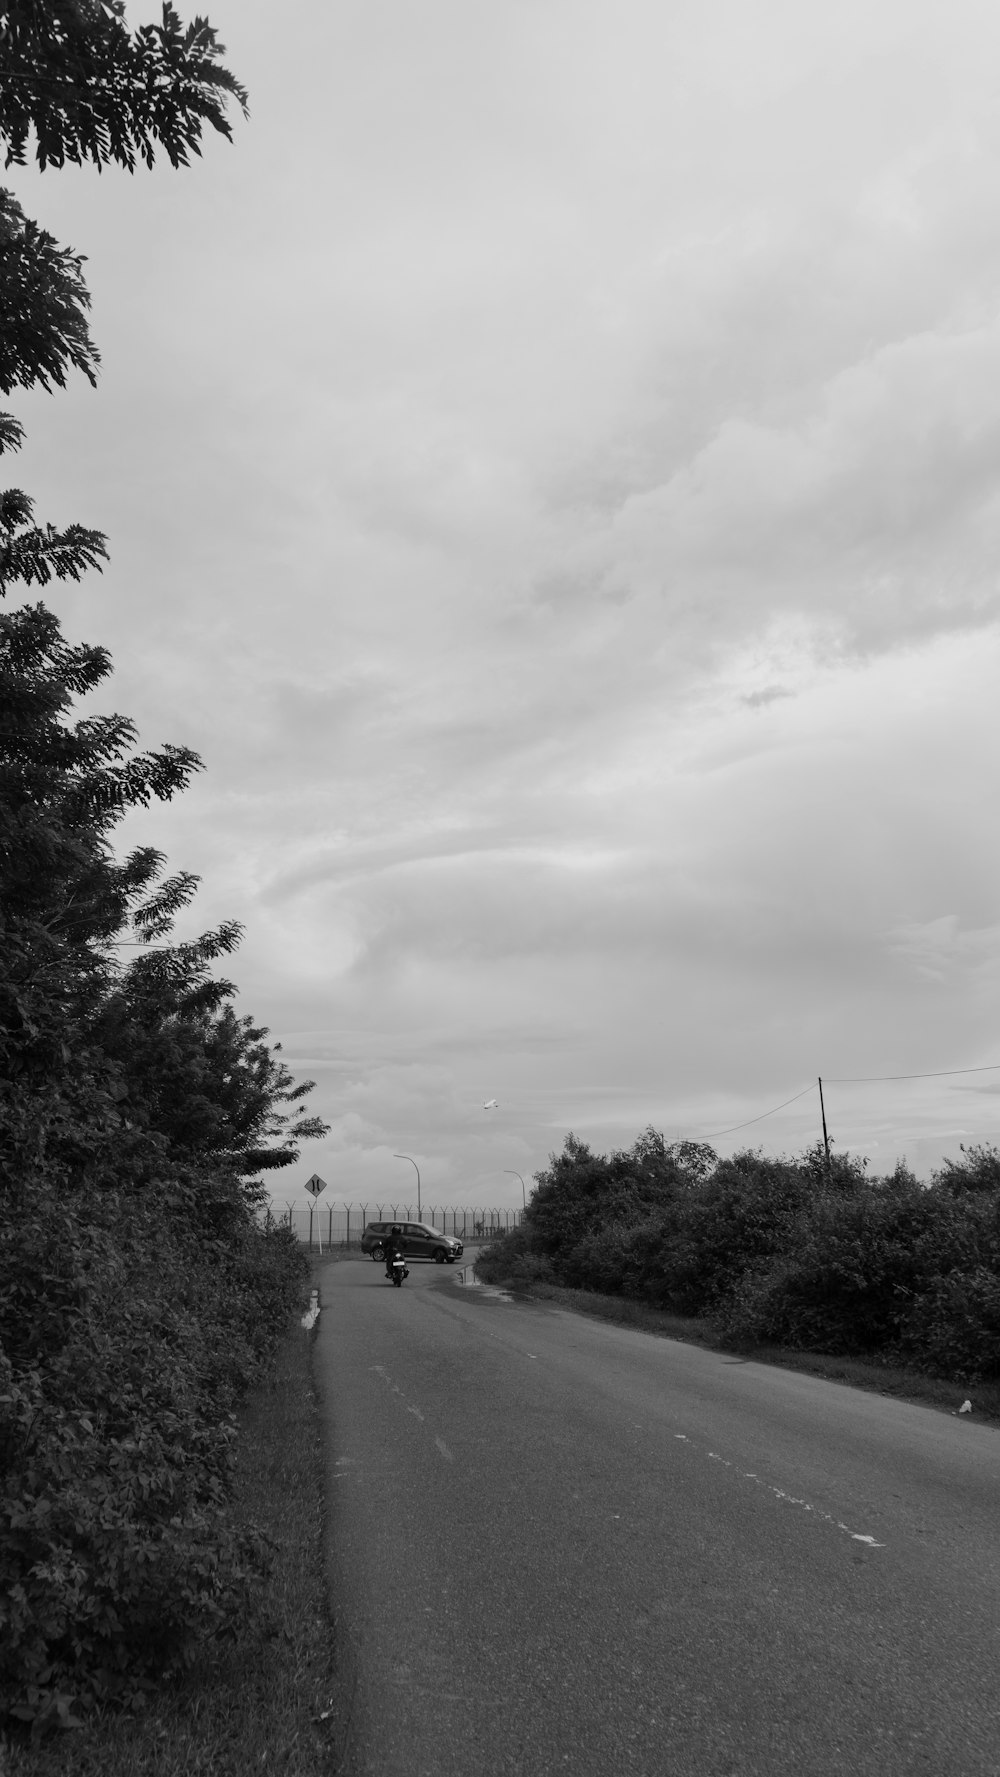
<point>881,1281</point>
<point>259,1698</point>
<point>144,1290</point>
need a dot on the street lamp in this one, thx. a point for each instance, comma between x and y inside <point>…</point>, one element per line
<point>514,1174</point>
<point>416,1169</point>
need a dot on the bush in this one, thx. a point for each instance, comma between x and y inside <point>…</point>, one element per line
<point>126,1340</point>
<point>752,1311</point>
<point>844,1285</point>
<point>810,1255</point>
<point>582,1194</point>
<point>978,1171</point>
<point>740,1217</point>
<point>953,1330</point>
<point>512,1259</point>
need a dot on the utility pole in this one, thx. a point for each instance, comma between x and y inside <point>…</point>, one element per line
<point>826,1138</point>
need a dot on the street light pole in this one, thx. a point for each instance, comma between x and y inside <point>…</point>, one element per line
<point>514,1174</point>
<point>416,1169</point>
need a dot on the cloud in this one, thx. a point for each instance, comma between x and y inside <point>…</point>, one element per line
<point>877,512</point>
<point>551,467</point>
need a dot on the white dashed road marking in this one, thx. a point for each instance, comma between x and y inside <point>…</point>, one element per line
<point>380,1370</point>
<point>748,1475</point>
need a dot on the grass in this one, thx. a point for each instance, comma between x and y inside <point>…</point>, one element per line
<point>869,1374</point>
<point>256,1704</point>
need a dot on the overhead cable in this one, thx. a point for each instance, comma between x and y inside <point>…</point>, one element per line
<point>941,1074</point>
<point>760,1119</point>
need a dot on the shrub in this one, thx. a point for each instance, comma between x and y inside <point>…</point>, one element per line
<point>752,1311</point>
<point>512,1258</point>
<point>582,1194</point>
<point>953,1329</point>
<point>852,1266</point>
<point>126,1340</point>
<point>611,1260</point>
<point>738,1218</point>
<point>796,1252</point>
<point>978,1171</point>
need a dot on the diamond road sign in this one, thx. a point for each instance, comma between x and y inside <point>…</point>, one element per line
<point>315,1185</point>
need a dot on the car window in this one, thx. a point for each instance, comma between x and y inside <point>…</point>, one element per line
<point>415,1231</point>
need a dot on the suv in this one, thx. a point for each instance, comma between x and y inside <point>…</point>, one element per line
<point>420,1241</point>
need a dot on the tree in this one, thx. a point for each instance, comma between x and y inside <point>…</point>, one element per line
<point>201,1080</point>
<point>43,300</point>
<point>139,1295</point>
<point>90,90</point>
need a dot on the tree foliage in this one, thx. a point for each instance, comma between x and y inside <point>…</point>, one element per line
<point>201,1079</point>
<point>88,89</point>
<point>140,1295</point>
<point>43,300</point>
<point>44,303</point>
<point>141,1291</point>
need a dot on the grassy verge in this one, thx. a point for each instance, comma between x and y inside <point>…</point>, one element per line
<point>257,1703</point>
<point>876,1378</point>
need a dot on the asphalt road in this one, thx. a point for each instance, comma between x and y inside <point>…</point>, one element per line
<point>559,1546</point>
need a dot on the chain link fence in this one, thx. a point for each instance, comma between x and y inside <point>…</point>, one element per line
<point>344,1226</point>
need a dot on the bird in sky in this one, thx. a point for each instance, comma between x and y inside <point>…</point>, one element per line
<point>491,1105</point>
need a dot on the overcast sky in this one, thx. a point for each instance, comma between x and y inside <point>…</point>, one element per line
<point>551,462</point>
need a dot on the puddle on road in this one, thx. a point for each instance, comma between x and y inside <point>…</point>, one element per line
<point>466,1279</point>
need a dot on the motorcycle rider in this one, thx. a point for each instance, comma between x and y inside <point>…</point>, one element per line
<point>393,1245</point>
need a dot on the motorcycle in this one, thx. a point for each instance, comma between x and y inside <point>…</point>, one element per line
<point>399,1270</point>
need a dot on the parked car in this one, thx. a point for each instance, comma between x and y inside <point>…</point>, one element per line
<point>420,1241</point>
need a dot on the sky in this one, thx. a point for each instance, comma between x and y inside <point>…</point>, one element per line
<point>551,463</point>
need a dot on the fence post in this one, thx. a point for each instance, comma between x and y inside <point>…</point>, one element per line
<point>329,1227</point>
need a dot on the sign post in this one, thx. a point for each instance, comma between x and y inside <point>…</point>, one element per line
<point>314,1186</point>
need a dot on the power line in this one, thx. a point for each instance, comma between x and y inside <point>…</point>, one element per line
<point>941,1074</point>
<point>852,1080</point>
<point>760,1119</point>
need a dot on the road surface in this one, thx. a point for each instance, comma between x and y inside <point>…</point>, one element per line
<point>560,1546</point>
